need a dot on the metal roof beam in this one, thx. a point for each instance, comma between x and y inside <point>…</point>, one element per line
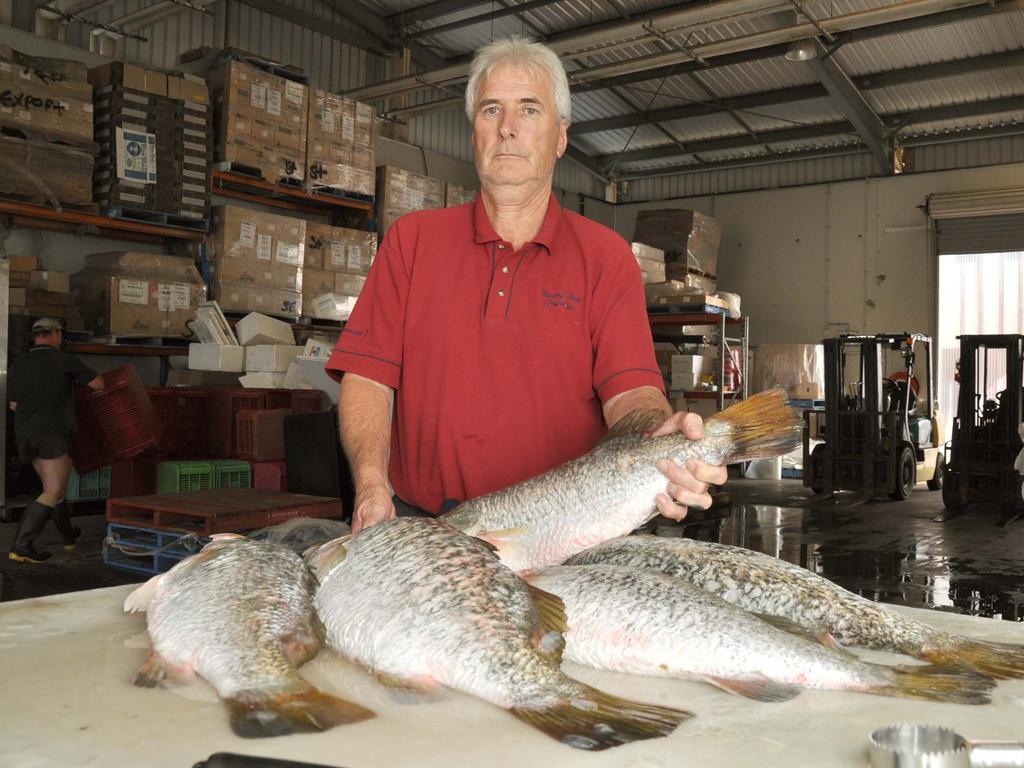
<point>482,18</point>
<point>854,107</point>
<point>356,37</point>
<point>891,121</point>
<point>427,11</point>
<point>359,14</point>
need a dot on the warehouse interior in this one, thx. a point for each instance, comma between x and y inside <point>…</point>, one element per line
<point>822,196</point>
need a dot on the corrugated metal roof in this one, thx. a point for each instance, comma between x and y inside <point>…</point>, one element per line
<point>950,90</point>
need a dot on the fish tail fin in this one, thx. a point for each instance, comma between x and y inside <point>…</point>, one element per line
<point>597,720</point>
<point>953,684</point>
<point>759,427</point>
<point>1000,661</point>
<point>302,708</point>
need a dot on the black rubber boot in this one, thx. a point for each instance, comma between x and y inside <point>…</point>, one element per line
<point>62,520</point>
<point>33,519</point>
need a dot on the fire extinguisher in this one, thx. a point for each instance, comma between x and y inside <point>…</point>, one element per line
<point>733,375</point>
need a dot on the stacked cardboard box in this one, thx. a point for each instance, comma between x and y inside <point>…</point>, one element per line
<point>138,294</point>
<point>38,292</point>
<point>153,130</point>
<point>400,192</point>
<point>260,118</point>
<point>341,144</point>
<point>689,239</point>
<point>46,114</point>
<point>337,262</point>
<point>256,261</point>
<point>455,194</point>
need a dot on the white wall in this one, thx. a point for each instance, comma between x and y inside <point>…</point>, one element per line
<point>815,261</point>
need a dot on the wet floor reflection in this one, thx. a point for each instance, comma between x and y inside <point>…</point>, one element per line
<point>906,561</point>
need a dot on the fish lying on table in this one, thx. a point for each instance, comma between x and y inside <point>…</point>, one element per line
<point>648,623</point>
<point>240,615</point>
<point>765,585</point>
<point>421,606</point>
<point>611,490</point>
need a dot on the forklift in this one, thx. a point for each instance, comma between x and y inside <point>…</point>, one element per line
<point>985,439</point>
<point>880,433</point>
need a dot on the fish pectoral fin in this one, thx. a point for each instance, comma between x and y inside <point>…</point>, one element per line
<point>640,421</point>
<point>816,634</point>
<point>324,558</point>
<point>504,542</point>
<point>758,688</point>
<point>141,597</point>
<point>156,670</point>
<point>410,690</point>
<point>548,635</point>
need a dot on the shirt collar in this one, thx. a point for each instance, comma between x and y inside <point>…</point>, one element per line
<point>483,231</point>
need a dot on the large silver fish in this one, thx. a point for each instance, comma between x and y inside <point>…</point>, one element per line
<point>766,585</point>
<point>611,490</point>
<point>649,623</point>
<point>421,605</point>
<point>240,615</point>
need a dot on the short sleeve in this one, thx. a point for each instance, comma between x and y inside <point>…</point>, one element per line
<point>372,341</point>
<point>76,369</point>
<point>623,347</point>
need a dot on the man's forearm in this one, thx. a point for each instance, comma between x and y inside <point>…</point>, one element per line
<point>364,422</point>
<point>639,399</point>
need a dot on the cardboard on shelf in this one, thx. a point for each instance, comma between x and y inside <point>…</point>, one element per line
<point>337,249</point>
<point>456,194</point>
<point>400,192</point>
<point>341,143</point>
<point>684,235</point>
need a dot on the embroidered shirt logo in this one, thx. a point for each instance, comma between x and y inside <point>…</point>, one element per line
<point>561,300</point>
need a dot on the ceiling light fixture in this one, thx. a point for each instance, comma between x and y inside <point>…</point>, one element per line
<point>802,50</point>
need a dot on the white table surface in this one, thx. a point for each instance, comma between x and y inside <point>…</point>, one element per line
<point>66,664</point>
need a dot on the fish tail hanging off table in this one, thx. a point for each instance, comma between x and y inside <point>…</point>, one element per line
<point>760,426</point>
<point>1000,661</point>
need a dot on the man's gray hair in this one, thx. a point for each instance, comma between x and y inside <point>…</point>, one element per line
<point>521,52</point>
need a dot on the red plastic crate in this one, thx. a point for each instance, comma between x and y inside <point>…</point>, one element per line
<point>224,405</point>
<point>219,511</point>
<point>307,401</point>
<point>184,418</point>
<point>116,422</point>
<point>270,475</point>
<point>134,477</point>
<point>259,435</point>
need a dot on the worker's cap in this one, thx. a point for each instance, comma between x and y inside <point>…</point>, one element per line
<point>44,324</point>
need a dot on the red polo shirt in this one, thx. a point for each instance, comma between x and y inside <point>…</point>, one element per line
<point>500,358</point>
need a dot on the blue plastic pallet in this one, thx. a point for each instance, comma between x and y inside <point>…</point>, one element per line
<point>819,404</point>
<point>794,473</point>
<point>153,551</point>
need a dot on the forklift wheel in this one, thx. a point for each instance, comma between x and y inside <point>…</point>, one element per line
<point>906,467</point>
<point>935,484</point>
<point>950,491</point>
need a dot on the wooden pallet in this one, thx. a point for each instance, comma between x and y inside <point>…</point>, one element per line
<point>255,173</point>
<point>314,189</point>
<point>157,217</point>
<point>229,510</point>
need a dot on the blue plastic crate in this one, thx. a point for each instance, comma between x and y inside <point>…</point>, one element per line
<point>147,550</point>
<point>794,473</point>
<point>92,485</point>
<point>817,405</point>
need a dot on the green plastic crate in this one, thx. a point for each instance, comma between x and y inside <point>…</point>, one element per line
<point>93,485</point>
<point>231,473</point>
<point>184,476</point>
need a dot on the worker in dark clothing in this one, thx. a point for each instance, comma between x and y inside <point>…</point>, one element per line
<point>41,396</point>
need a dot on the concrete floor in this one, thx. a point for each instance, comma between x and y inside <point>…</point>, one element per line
<point>895,552</point>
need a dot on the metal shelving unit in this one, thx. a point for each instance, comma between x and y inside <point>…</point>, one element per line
<point>661,328</point>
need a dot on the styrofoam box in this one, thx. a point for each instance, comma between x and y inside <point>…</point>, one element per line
<point>294,378</point>
<point>685,381</point>
<point>689,364</point>
<point>271,358</point>
<point>315,348</point>
<point>216,357</point>
<point>264,380</point>
<point>255,328</point>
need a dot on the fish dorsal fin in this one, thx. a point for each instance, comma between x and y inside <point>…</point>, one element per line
<point>758,688</point>
<point>637,422</point>
<point>815,634</point>
<point>548,635</point>
<point>324,558</point>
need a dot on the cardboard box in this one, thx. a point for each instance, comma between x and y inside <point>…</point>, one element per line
<point>455,194</point>
<point>66,171</point>
<point>684,235</point>
<point>138,294</point>
<point>341,143</point>
<point>270,357</point>
<point>337,249</point>
<point>246,96</point>
<point>241,297</point>
<point>797,368</point>
<point>48,97</point>
<point>400,192</point>
<point>49,280</point>
<point>23,263</point>
<point>216,357</point>
<point>643,251</point>
<point>316,282</point>
<point>348,285</point>
<point>255,329</point>
<point>331,306</point>
<point>652,271</point>
<point>16,297</point>
<point>260,251</point>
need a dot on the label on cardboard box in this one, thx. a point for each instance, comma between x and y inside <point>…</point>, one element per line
<point>355,259</point>
<point>258,95</point>
<point>327,120</point>
<point>324,305</point>
<point>348,128</point>
<point>293,91</point>
<point>273,102</point>
<point>173,296</point>
<point>263,247</point>
<point>337,254</point>
<point>133,292</point>
<point>287,253</point>
<point>247,234</point>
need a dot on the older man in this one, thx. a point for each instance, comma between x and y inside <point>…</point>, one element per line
<point>498,339</point>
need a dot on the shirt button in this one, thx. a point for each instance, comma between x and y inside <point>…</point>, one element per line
<point>501,247</point>
<point>505,270</point>
<point>501,293</point>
